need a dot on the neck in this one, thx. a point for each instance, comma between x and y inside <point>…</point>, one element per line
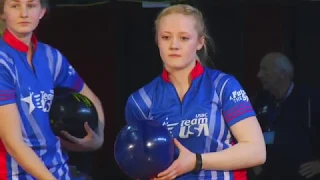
<point>281,91</point>
<point>26,39</point>
<point>180,78</point>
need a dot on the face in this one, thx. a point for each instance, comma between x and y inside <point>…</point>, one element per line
<point>22,16</point>
<point>178,40</point>
<point>269,76</point>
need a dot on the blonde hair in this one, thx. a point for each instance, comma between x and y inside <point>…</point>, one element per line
<point>200,26</point>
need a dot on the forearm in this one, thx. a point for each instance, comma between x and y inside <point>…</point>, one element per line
<point>97,141</point>
<point>97,103</point>
<point>239,156</point>
<point>28,160</point>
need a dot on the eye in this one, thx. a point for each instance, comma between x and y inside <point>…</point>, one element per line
<point>32,5</point>
<point>14,5</point>
<point>165,37</point>
<point>185,38</point>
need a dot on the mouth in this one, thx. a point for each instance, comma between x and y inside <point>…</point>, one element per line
<point>24,23</point>
<point>174,55</point>
<point>264,82</point>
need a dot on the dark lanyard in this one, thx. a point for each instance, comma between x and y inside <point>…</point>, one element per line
<point>274,112</point>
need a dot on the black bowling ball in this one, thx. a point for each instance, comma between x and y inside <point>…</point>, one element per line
<point>69,112</point>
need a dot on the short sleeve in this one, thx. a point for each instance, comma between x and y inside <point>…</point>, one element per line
<point>65,75</point>
<point>236,105</point>
<point>7,84</point>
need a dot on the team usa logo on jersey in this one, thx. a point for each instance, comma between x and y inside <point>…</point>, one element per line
<point>238,96</point>
<point>40,100</point>
<point>195,127</point>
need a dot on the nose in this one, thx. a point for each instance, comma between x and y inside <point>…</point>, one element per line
<point>174,44</point>
<point>259,74</point>
<point>23,12</point>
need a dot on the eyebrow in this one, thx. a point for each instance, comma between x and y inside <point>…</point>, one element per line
<point>179,32</point>
<point>19,0</point>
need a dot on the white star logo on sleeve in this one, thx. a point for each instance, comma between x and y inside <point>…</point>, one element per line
<point>28,100</point>
<point>71,71</point>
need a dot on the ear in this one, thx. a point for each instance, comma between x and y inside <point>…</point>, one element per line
<point>201,43</point>
<point>42,13</point>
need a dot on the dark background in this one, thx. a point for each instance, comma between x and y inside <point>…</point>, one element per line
<point>112,46</point>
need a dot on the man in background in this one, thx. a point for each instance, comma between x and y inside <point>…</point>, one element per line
<point>289,116</point>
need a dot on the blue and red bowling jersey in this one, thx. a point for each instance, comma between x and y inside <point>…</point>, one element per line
<point>32,90</point>
<point>214,102</point>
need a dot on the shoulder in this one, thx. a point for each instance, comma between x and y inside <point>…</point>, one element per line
<point>144,95</point>
<point>306,91</point>
<point>140,102</point>
<point>148,90</point>
<point>219,76</point>
<point>49,50</point>
<point>43,45</point>
<point>7,63</point>
<point>6,59</point>
<point>222,80</point>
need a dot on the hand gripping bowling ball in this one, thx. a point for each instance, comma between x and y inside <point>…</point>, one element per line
<point>144,149</point>
<point>69,112</point>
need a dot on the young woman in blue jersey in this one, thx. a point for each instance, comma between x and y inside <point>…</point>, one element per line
<point>207,111</point>
<point>29,71</point>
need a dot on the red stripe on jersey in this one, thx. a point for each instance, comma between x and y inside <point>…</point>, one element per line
<point>77,84</point>
<point>237,111</point>
<point>3,162</point>
<point>5,97</point>
<point>240,174</point>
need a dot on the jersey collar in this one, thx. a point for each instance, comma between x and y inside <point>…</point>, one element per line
<point>195,72</point>
<point>14,42</point>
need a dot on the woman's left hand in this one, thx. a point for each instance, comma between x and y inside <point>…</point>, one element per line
<point>183,164</point>
<point>92,141</point>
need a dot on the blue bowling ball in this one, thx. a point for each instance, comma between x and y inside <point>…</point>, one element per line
<point>144,149</point>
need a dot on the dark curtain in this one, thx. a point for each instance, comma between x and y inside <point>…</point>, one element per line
<point>307,43</point>
<point>265,30</point>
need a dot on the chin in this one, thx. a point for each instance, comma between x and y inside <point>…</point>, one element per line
<point>266,88</point>
<point>24,30</point>
<point>176,65</point>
